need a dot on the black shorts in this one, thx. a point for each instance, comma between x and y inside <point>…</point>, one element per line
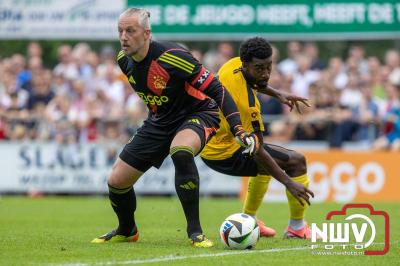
<point>241,165</point>
<point>151,144</point>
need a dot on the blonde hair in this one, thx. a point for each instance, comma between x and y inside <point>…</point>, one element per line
<point>142,14</point>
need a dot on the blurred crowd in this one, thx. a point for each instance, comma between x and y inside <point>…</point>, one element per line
<point>85,97</point>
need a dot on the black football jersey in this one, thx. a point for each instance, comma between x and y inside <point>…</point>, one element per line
<point>173,84</point>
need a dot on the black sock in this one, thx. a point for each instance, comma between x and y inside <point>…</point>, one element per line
<point>123,201</point>
<point>187,187</point>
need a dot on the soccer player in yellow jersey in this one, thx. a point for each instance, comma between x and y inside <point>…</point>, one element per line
<point>243,77</point>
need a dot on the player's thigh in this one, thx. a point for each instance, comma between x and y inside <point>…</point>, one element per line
<point>189,138</point>
<point>123,175</point>
<point>293,162</point>
<point>196,131</point>
<point>236,165</point>
<point>149,147</point>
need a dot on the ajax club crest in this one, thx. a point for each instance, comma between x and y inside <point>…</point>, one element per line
<point>159,82</point>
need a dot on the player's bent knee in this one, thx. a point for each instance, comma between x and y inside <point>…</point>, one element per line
<point>123,175</point>
<point>187,138</point>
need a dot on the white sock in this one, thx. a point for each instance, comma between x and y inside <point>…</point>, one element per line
<point>296,224</point>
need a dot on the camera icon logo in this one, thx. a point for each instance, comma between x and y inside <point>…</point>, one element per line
<point>338,234</point>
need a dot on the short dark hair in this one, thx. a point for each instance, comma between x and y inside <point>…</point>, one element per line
<point>255,47</point>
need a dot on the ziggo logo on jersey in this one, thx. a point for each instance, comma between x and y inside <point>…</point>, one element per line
<point>343,180</point>
<point>153,99</point>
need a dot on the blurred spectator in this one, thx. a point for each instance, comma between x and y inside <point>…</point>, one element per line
<point>314,121</point>
<point>103,107</point>
<point>79,114</point>
<point>35,50</point>
<point>357,59</point>
<point>10,95</point>
<point>19,69</point>
<point>351,96</point>
<point>367,116</point>
<point>304,76</point>
<point>39,97</point>
<point>270,105</point>
<point>394,77</point>
<point>111,139</point>
<point>391,136</point>
<point>93,60</point>
<point>391,100</point>
<point>57,115</point>
<point>107,58</point>
<point>35,66</point>
<point>289,66</point>
<point>335,74</point>
<point>60,85</point>
<point>79,56</point>
<point>374,77</point>
<point>66,66</point>
<point>213,60</point>
<point>342,125</point>
<point>392,59</point>
<point>112,87</point>
<point>41,92</point>
<point>311,50</point>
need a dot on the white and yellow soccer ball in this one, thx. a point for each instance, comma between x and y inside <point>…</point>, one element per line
<point>239,231</point>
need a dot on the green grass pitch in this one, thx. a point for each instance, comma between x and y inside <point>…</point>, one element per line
<point>58,231</point>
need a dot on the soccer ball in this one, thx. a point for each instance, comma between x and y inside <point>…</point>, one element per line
<point>239,231</point>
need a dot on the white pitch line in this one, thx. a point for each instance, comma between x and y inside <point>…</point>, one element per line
<point>208,255</point>
<point>175,258</point>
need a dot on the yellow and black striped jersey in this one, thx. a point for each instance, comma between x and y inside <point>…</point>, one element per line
<point>223,144</point>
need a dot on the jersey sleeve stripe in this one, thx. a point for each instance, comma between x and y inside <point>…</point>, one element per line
<point>179,59</point>
<point>194,93</point>
<point>173,63</point>
<point>235,113</point>
<point>177,62</point>
<point>207,82</point>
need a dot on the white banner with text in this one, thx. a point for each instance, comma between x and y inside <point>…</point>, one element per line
<point>56,19</point>
<point>52,168</point>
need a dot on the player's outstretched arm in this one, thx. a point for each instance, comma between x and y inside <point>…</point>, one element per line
<point>290,100</point>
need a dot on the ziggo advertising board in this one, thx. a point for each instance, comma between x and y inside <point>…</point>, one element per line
<point>348,176</point>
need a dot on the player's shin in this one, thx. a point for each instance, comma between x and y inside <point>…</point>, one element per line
<point>123,201</point>
<point>296,209</point>
<point>257,187</point>
<point>187,186</point>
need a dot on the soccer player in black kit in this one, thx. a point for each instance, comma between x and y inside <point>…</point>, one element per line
<point>184,100</point>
